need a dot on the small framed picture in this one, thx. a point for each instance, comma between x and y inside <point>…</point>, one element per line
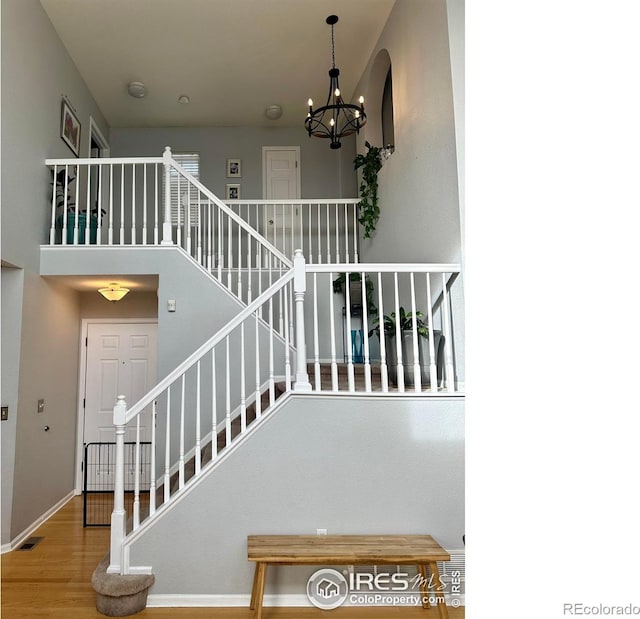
<point>70,128</point>
<point>234,168</point>
<point>233,192</point>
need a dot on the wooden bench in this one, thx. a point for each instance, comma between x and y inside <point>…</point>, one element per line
<point>420,550</point>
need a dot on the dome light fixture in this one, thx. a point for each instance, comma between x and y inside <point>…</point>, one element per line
<point>113,292</point>
<point>273,112</point>
<point>137,90</point>
<point>184,100</point>
<point>336,119</point>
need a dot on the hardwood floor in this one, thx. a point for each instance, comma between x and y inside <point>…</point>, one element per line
<point>53,580</point>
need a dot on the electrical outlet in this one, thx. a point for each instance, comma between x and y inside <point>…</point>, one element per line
<point>41,406</point>
<point>321,531</point>
<point>5,413</point>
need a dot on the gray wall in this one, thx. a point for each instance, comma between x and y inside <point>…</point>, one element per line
<point>348,465</point>
<point>418,185</point>
<point>324,173</point>
<point>43,334</point>
<point>44,466</point>
<point>11,315</point>
<point>135,305</point>
<point>36,72</point>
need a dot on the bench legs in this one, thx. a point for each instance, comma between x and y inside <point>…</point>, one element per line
<point>257,592</point>
<point>435,577</point>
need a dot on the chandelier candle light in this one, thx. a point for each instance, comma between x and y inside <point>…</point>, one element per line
<point>336,119</point>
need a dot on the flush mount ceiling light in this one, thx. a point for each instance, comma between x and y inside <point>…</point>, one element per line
<point>336,119</point>
<point>273,112</point>
<point>184,100</point>
<point>137,89</point>
<point>114,292</point>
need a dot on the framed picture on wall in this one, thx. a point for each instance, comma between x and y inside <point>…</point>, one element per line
<point>234,168</point>
<point>233,192</point>
<point>70,128</point>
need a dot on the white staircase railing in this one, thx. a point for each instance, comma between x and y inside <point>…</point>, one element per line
<point>210,398</point>
<point>129,201</point>
<point>325,230</point>
<point>394,334</point>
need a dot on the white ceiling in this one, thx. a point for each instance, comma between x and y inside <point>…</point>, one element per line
<point>231,57</point>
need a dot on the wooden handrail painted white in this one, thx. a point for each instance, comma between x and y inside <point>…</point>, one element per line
<point>383,267</point>
<point>101,161</point>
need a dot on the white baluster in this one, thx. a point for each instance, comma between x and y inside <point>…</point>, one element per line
<point>122,179</point>
<point>167,450</point>
<point>355,233</point>
<point>328,236</point>
<point>87,218</point>
<point>399,343</point>
<point>198,455</point>
<point>433,368</point>
<point>214,407</point>
<point>187,216</point>
<point>243,396</point>
<point>272,384</point>
<point>166,224</point>
<point>319,237</point>
<point>448,353</point>
<point>220,246</point>
<point>287,344</point>
<point>365,333</point>
<point>181,454</point>
<point>136,478</point>
<point>152,466</point>
<point>249,284</point>
<point>310,250</point>
<point>316,343</point>
<point>52,230</point>
<point>118,516</point>
<point>229,258</point>
<point>155,205</point>
<point>65,207</point>
<point>300,288</point>
<point>99,213</point>
<point>258,403</point>
<point>384,374</point>
<point>350,368</point>
<point>240,262</point>
<point>332,325</point>
<point>144,204</point>
<point>179,210</point>
<point>417,370</point>
<point>110,233</point>
<point>133,204</point>
<point>77,206</point>
<point>337,235</point>
<point>346,234</point>
<point>228,395</point>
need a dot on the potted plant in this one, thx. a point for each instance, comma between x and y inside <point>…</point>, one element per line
<point>356,337</point>
<point>63,186</point>
<point>370,163</point>
<point>405,324</point>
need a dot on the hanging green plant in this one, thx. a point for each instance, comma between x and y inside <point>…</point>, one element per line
<point>368,205</point>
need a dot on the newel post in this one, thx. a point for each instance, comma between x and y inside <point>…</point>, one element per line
<point>299,288</point>
<point>166,223</point>
<point>118,516</point>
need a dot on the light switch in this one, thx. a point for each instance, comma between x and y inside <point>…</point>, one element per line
<point>41,406</point>
<point>171,305</point>
<point>5,413</point>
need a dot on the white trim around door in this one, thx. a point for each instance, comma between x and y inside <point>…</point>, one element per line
<point>82,380</point>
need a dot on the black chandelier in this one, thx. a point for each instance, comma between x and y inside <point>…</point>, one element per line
<point>336,119</point>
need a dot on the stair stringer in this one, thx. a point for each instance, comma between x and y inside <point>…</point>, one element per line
<point>350,464</point>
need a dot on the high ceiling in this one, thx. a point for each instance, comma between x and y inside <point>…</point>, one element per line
<point>232,58</point>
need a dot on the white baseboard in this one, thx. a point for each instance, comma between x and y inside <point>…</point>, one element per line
<point>32,527</point>
<point>243,600</point>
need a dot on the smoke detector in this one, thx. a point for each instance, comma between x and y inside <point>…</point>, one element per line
<point>137,90</point>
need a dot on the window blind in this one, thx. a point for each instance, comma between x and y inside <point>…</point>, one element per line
<point>191,164</point>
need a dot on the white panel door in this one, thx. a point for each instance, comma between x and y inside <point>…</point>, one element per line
<point>121,360</point>
<point>281,169</point>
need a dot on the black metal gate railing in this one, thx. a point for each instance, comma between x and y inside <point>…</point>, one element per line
<point>99,480</point>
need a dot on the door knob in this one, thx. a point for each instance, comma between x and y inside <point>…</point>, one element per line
<point>46,428</point>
